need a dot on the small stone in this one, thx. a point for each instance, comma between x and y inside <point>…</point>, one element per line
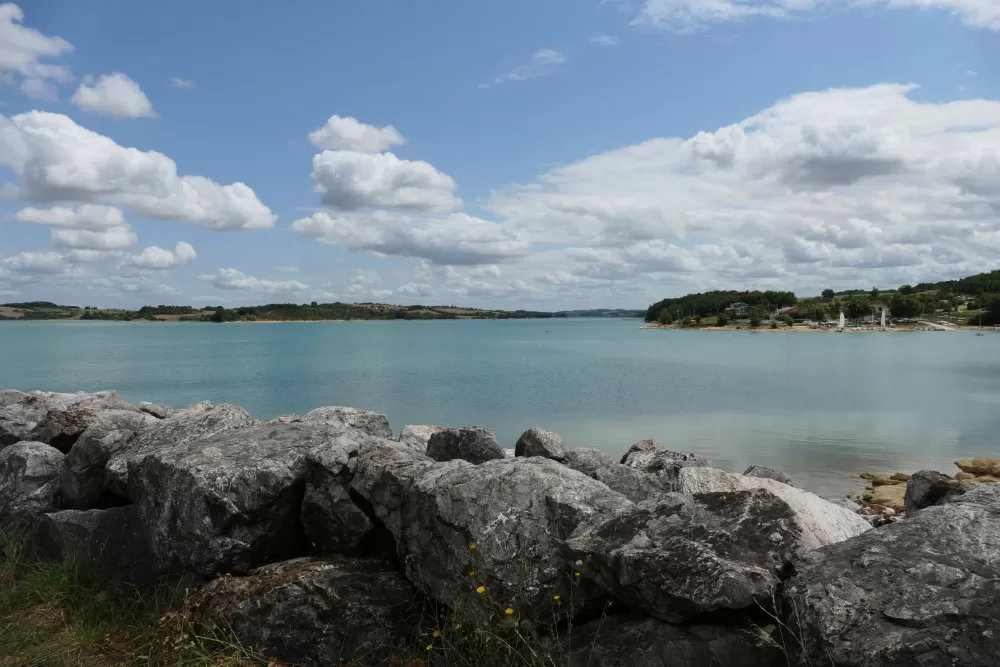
<point>539,442</point>
<point>768,473</point>
<point>899,476</point>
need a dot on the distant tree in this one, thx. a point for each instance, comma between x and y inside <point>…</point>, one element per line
<point>774,324</point>
<point>314,304</point>
<point>686,322</point>
<point>754,318</point>
<point>721,320</point>
<point>858,306</point>
<point>875,293</point>
<point>219,315</point>
<point>697,319</point>
<point>665,317</point>
<point>787,319</point>
<point>906,289</point>
<point>827,294</point>
<point>904,305</point>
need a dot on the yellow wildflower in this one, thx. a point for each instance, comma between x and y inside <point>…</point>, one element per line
<point>576,574</point>
<point>508,611</point>
<point>472,547</point>
<point>556,598</point>
<point>481,590</point>
<point>458,626</point>
<point>430,647</point>
<point>472,573</point>
<point>436,634</point>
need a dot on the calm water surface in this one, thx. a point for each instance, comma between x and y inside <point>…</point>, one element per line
<point>820,407</point>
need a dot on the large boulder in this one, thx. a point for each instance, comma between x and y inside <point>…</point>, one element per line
<point>111,544</point>
<point>29,483</point>
<point>628,641</point>
<point>55,419</point>
<point>318,611</point>
<point>539,442</point>
<point>651,457</point>
<point>503,520</point>
<point>634,484</point>
<point>345,418</point>
<point>768,473</point>
<point>417,437</point>
<point>929,487</point>
<point>675,557</point>
<point>922,591</point>
<point>231,501</point>
<point>198,421</point>
<point>332,520</point>
<point>83,470</point>
<point>474,444</point>
<point>820,521</point>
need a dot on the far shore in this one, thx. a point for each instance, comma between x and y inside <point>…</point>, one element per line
<point>805,329</point>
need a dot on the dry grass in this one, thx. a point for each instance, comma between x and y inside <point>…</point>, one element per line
<point>53,615</point>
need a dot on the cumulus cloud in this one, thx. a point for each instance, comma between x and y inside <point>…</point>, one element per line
<point>112,238</point>
<point>113,95</point>
<point>349,180</point>
<point>347,133</point>
<point>23,49</point>
<point>415,289</point>
<point>94,217</point>
<point>458,238</point>
<point>686,15</point>
<point>232,279</point>
<point>821,188</point>
<point>155,258</point>
<point>39,89</point>
<point>543,63</point>
<point>57,160</point>
<point>178,82</point>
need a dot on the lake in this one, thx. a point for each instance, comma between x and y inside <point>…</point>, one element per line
<point>818,406</point>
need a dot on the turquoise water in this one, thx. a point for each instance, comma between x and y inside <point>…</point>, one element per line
<point>820,406</point>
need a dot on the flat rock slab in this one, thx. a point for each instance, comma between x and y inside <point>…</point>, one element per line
<point>504,520</point>
<point>231,501</point>
<point>632,483</point>
<point>630,641</point>
<point>675,557</point>
<point>768,473</point>
<point>416,437</point>
<point>318,611</point>
<point>346,418</point>
<point>922,591</point>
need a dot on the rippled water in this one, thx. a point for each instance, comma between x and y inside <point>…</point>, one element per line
<point>818,406</point>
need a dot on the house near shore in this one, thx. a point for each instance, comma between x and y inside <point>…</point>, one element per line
<point>737,310</point>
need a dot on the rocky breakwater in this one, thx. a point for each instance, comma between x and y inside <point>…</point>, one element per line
<point>323,540</point>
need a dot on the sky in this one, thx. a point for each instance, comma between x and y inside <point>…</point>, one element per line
<point>521,154</point>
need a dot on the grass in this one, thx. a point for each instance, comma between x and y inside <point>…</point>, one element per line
<point>53,614</point>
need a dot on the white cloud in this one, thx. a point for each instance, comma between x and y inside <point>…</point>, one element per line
<point>347,133</point>
<point>686,15</point>
<point>286,269</point>
<point>85,216</point>
<point>113,95</point>
<point>83,256</point>
<point>57,160</point>
<point>237,280</point>
<point>178,82</point>
<point>47,263</point>
<point>158,259</point>
<point>458,238</point>
<point>39,89</point>
<point>348,180</point>
<point>112,238</point>
<point>415,289</point>
<point>543,63</point>
<point>22,49</point>
<point>603,40</point>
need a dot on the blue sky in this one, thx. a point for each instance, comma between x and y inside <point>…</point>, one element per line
<point>559,154</point>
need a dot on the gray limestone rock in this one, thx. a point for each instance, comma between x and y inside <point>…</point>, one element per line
<point>820,521</point>
<point>417,437</point>
<point>768,473</point>
<point>922,591</point>
<point>928,487</point>
<point>505,520</point>
<point>157,410</point>
<point>539,442</point>
<point>634,484</point>
<point>332,520</point>
<point>201,420</point>
<point>318,611</point>
<point>83,470</point>
<point>372,423</point>
<point>474,444</point>
<point>650,456</point>
<point>228,502</point>
<point>29,483</point>
<point>111,544</point>
<point>630,641</point>
<point>55,419</point>
<point>675,557</point>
